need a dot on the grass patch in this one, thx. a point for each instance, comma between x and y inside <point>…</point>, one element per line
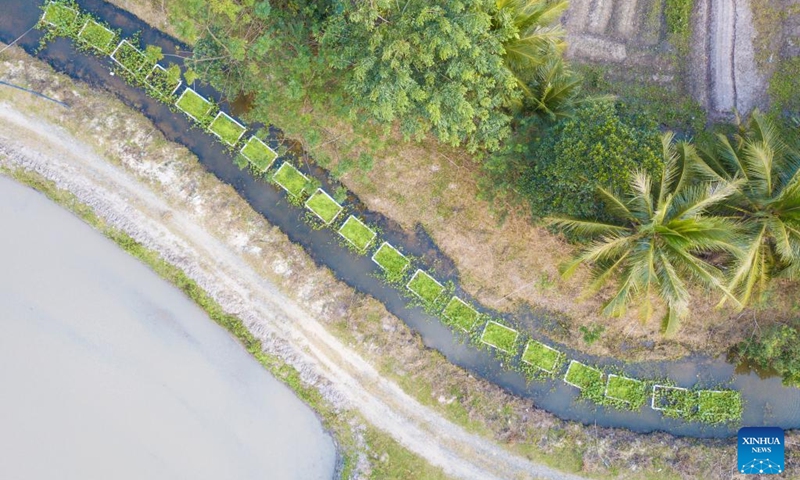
<point>60,16</point>
<point>458,314</point>
<point>227,129</point>
<point>678,15</point>
<point>582,376</point>
<point>391,261</point>
<point>784,85</point>
<point>258,154</point>
<point>425,287</point>
<point>541,356</point>
<point>357,233</point>
<point>164,82</point>
<point>193,104</point>
<point>499,336</point>
<point>719,406</point>
<point>97,35</point>
<point>323,206</point>
<point>290,179</point>
<point>129,57</point>
<point>628,390</point>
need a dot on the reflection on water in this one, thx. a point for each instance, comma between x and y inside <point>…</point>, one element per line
<point>107,371</point>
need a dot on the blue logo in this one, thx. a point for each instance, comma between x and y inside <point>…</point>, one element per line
<point>760,450</point>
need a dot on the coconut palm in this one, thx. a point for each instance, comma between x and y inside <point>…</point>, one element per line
<point>553,91</point>
<point>539,36</point>
<point>659,240</point>
<point>768,202</point>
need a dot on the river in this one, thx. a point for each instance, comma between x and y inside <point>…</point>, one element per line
<point>108,371</point>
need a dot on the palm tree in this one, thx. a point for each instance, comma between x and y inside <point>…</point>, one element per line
<point>768,202</point>
<point>659,239</point>
<point>539,36</point>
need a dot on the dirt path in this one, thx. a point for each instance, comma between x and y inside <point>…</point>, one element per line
<point>734,81</point>
<point>284,326</point>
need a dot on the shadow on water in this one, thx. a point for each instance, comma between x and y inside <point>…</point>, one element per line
<point>768,402</point>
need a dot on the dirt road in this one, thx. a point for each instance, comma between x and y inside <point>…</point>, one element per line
<point>734,81</point>
<point>175,229</point>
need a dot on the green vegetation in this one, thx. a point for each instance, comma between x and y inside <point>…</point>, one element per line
<point>357,233</point>
<point>658,239</point>
<point>163,82</point>
<point>432,67</point>
<point>227,129</point>
<point>291,179</point>
<point>130,57</point>
<point>391,261</point>
<point>764,173</point>
<point>719,406</point>
<point>98,36</point>
<point>598,146</point>
<point>784,85</point>
<point>500,337</point>
<point>258,154</point>
<point>541,356</point>
<point>323,206</point>
<point>673,401</point>
<point>628,390</point>
<point>425,287</point>
<point>61,15</point>
<point>194,105</point>
<point>774,350</point>
<point>458,314</point>
<point>678,14</point>
<point>583,376</point>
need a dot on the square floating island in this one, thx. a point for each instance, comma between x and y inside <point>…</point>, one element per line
<point>425,287</point>
<point>323,206</point>
<point>582,376</point>
<point>499,336</point>
<point>97,35</point>
<point>258,154</point>
<point>193,104</point>
<point>391,260</point>
<point>719,406</point>
<point>357,233</point>
<point>227,129</point>
<point>541,356</point>
<point>675,400</point>
<point>290,179</point>
<point>129,57</point>
<point>459,314</point>
<point>628,390</point>
<point>59,15</point>
<point>160,79</point>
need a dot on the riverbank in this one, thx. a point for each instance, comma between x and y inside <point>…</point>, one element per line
<point>504,261</point>
<point>170,203</point>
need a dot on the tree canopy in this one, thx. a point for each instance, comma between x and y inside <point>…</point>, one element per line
<point>433,66</point>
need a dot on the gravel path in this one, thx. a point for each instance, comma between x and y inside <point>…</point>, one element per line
<point>286,328</point>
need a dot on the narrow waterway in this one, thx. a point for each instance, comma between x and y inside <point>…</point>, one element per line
<point>767,402</point>
<point>107,371</point>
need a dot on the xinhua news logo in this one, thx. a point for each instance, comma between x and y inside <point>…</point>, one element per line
<point>760,450</point>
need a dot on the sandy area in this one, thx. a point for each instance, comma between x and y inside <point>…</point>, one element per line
<point>177,230</point>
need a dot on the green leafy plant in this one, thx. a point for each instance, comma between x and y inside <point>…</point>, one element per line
<point>775,350</point>
<point>658,239</point>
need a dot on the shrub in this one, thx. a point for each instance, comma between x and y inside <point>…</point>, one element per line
<point>775,350</point>
<point>600,146</point>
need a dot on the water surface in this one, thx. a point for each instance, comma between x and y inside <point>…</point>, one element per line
<point>107,371</point>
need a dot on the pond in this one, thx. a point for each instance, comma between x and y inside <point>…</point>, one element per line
<point>105,367</point>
